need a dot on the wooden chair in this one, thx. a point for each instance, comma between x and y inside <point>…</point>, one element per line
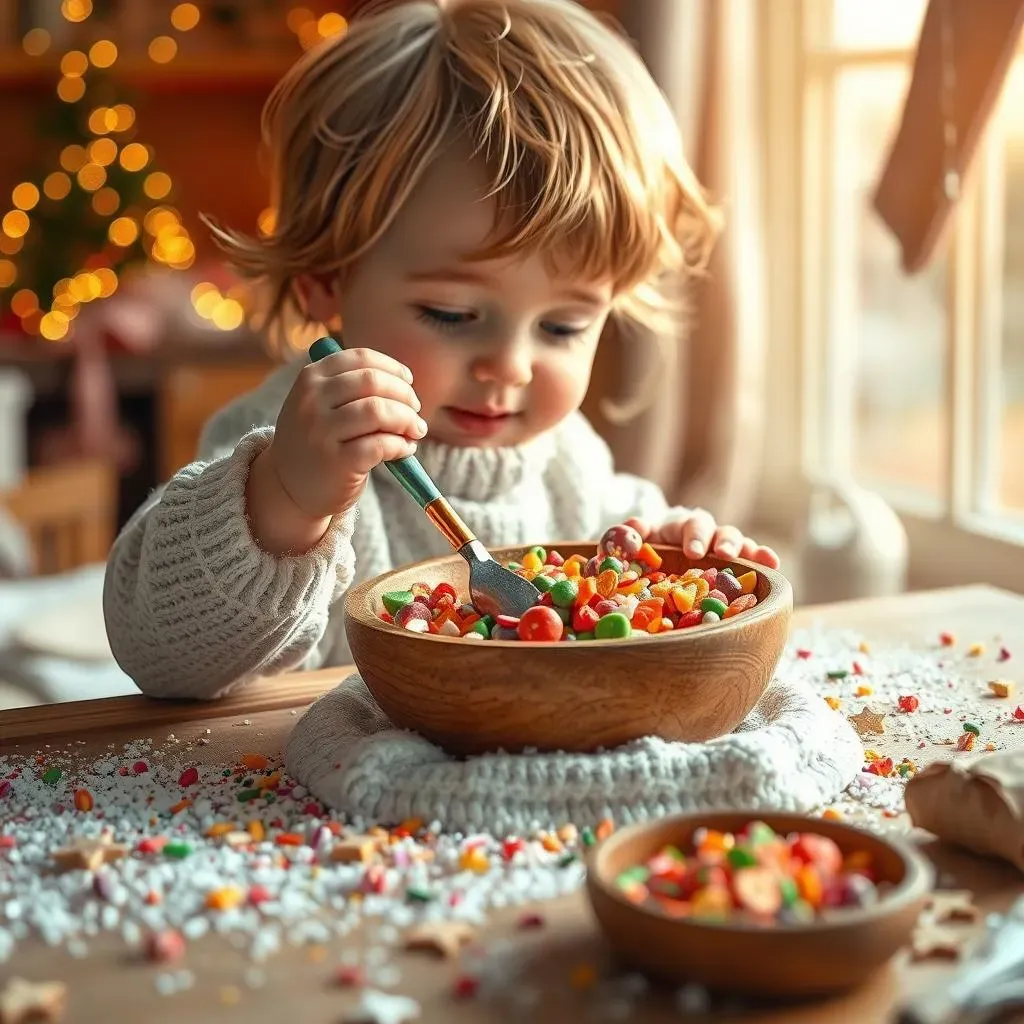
<point>69,512</point>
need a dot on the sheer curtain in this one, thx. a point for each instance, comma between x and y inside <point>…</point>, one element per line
<point>702,436</point>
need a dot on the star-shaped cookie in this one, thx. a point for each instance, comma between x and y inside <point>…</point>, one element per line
<point>868,722</point>
<point>932,943</point>
<point>443,937</point>
<point>952,905</point>
<point>23,1000</point>
<point>89,853</point>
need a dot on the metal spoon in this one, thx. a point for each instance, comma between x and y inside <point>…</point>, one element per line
<point>494,589</point>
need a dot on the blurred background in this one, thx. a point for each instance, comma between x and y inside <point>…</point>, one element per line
<point>850,388</point>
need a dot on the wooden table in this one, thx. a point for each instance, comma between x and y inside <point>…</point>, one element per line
<point>102,987</point>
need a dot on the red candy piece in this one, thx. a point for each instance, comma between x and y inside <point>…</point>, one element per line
<point>465,987</point>
<point>819,851</point>
<point>1018,712</point>
<point>692,618</point>
<point>165,947</point>
<point>507,621</point>
<point>511,846</point>
<point>189,777</point>
<point>440,592</point>
<point>554,558</point>
<point>540,625</point>
<point>909,703</point>
<point>584,618</point>
<point>803,654</point>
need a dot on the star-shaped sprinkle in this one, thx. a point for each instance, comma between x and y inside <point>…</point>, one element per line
<point>931,943</point>
<point>23,1000</point>
<point>89,853</point>
<point>382,1008</point>
<point>953,905</point>
<point>868,722</point>
<point>443,937</point>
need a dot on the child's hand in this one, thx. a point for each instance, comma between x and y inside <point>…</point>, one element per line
<point>698,535</point>
<point>344,415</point>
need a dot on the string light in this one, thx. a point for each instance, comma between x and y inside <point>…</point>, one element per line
<point>36,42</point>
<point>15,223</point>
<point>56,185</point>
<point>169,242</point>
<point>331,24</point>
<point>162,49</point>
<point>267,221</point>
<point>25,195</point>
<point>76,10</point>
<point>185,17</point>
<point>71,89</point>
<point>157,185</point>
<point>103,53</point>
<point>134,156</point>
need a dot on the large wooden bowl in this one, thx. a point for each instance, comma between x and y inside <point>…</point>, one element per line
<point>470,698</point>
<point>793,961</point>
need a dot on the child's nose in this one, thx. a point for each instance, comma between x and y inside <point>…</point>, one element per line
<point>509,363</point>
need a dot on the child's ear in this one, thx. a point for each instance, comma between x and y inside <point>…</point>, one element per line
<point>317,299</point>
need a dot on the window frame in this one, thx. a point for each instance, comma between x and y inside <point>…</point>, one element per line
<point>949,545</point>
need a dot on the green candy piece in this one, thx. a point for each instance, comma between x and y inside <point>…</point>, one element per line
<point>587,836</point>
<point>566,860</point>
<point>395,599</point>
<point>968,727</point>
<point>564,593</point>
<point>675,854</point>
<point>610,563</point>
<point>482,628</point>
<point>178,851</point>
<point>246,795</point>
<point>741,857</point>
<point>543,583</point>
<point>414,894</point>
<point>51,776</point>
<point>789,891</point>
<point>837,673</point>
<point>613,626</point>
<point>712,604</point>
<point>638,568</point>
<point>539,552</point>
<point>514,566</point>
<point>759,833</point>
<point>632,876</point>
<point>728,571</point>
<point>585,634</point>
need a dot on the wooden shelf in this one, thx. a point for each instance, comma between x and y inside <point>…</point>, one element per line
<point>221,69</point>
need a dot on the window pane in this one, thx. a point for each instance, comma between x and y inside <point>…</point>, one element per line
<point>888,330</point>
<point>1010,472</point>
<point>876,24</point>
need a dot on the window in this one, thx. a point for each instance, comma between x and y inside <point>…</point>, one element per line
<point>914,385</point>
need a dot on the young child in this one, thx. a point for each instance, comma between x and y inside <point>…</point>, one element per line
<point>472,188</point>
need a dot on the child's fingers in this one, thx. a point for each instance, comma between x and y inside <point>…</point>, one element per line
<point>727,541</point>
<point>368,382</point>
<point>376,416</point>
<point>640,525</point>
<point>373,449</point>
<point>766,556</point>
<point>697,533</point>
<point>360,359</point>
<point>749,549</point>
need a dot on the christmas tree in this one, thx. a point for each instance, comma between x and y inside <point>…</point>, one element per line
<point>97,205</point>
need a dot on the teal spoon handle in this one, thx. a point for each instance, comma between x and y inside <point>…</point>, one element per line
<point>408,471</point>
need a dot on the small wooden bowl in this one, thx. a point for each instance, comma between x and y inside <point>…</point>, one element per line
<point>471,698</point>
<point>790,961</point>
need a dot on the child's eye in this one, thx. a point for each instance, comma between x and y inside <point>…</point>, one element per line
<point>443,319</point>
<point>562,330</point>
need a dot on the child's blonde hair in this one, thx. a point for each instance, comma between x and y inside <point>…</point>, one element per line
<point>584,156</point>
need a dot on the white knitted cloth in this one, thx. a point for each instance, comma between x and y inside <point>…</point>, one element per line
<point>792,753</point>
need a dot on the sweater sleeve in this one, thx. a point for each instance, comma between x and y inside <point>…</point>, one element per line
<point>193,606</point>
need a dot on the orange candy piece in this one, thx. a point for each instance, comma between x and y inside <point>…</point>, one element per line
<point>648,556</point>
<point>808,883</point>
<point>586,591</point>
<point>747,582</point>
<point>255,762</point>
<point>83,800</point>
<point>225,899</point>
<point>607,581</point>
<point>740,604</point>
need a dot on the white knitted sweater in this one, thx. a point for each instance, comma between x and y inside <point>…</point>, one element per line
<point>193,607</point>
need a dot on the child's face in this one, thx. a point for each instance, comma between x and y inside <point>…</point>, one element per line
<point>500,351</point>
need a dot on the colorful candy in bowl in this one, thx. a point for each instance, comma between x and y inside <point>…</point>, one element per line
<point>653,644</point>
<point>769,905</point>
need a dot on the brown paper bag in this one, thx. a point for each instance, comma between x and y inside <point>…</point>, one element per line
<point>976,804</point>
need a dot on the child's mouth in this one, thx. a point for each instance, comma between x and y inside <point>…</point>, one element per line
<point>479,423</point>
